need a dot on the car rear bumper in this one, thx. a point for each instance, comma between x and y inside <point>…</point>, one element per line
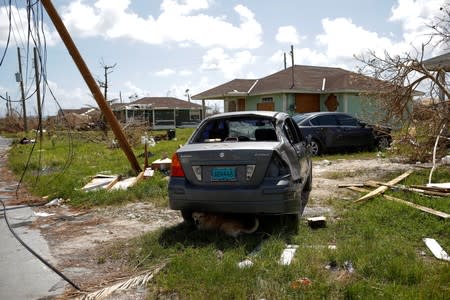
<point>280,199</point>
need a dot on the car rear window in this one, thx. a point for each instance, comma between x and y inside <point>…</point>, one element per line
<point>345,120</point>
<point>236,129</point>
<point>326,120</point>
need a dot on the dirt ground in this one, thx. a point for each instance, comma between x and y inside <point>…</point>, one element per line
<point>77,237</point>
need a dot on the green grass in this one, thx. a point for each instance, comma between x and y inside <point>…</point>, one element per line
<point>382,240</point>
<point>61,164</point>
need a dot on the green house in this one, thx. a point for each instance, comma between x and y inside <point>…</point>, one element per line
<point>301,89</point>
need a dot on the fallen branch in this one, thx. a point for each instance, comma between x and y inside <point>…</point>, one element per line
<point>382,189</point>
<point>122,286</point>
<point>437,213</point>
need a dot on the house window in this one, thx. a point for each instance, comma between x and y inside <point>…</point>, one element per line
<point>267,100</point>
<point>194,114</point>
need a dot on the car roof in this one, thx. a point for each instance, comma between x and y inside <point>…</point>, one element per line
<point>322,113</point>
<point>256,113</point>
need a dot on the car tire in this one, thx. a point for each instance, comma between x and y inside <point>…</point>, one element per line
<point>187,216</point>
<point>383,142</point>
<point>315,147</point>
<point>290,222</point>
<point>304,195</point>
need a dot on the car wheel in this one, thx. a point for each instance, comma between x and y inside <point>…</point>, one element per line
<point>315,147</point>
<point>290,222</point>
<point>383,143</point>
<point>187,216</point>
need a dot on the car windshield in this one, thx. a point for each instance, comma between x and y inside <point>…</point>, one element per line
<point>236,129</point>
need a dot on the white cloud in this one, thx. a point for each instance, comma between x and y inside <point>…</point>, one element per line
<point>19,28</point>
<point>287,34</point>
<point>132,89</point>
<point>179,23</point>
<point>414,14</point>
<point>185,72</point>
<point>343,39</point>
<point>165,72</point>
<point>230,66</point>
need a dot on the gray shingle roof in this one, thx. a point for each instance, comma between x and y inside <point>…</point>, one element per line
<point>441,62</point>
<point>165,102</point>
<point>307,79</point>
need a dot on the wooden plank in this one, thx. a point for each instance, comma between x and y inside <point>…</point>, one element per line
<point>344,185</point>
<point>437,213</point>
<point>430,188</point>
<point>405,188</point>
<point>112,183</point>
<point>382,189</point>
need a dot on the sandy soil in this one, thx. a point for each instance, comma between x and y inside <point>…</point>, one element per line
<point>77,237</point>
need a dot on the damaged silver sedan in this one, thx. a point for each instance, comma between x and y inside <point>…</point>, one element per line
<point>242,163</point>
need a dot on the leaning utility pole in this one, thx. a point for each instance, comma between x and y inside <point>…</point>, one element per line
<point>38,90</point>
<point>90,81</point>
<point>19,78</point>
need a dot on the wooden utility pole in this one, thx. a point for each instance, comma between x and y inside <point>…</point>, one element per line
<point>90,81</point>
<point>105,83</point>
<point>284,59</point>
<point>19,78</point>
<point>38,91</point>
<point>292,57</point>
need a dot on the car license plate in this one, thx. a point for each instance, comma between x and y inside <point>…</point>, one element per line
<point>223,174</point>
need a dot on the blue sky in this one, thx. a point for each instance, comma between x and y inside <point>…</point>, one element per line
<point>163,48</point>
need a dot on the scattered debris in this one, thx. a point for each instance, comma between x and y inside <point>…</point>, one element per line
<point>445,186</point>
<point>149,172</point>
<point>446,160</point>
<point>25,140</point>
<point>405,188</point>
<point>162,164</point>
<point>332,266</point>
<point>111,182</point>
<point>245,264</point>
<point>301,283</point>
<point>317,222</point>
<point>326,162</point>
<point>219,254</point>
<point>55,202</point>
<point>101,181</point>
<point>288,255</point>
<point>42,214</point>
<point>436,249</point>
<point>134,282</point>
<point>382,189</point>
<point>438,213</point>
<point>348,266</point>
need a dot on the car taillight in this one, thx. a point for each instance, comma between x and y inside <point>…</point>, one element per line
<point>176,169</point>
<point>277,167</point>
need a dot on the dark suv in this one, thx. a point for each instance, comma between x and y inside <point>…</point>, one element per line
<point>340,131</point>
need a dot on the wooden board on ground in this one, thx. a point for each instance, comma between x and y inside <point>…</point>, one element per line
<point>101,181</point>
<point>405,188</point>
<point>382,189</point>
<point>438,213</point>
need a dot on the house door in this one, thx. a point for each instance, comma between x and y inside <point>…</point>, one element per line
<point>307,103</point>
<point>269,106</point>
<point>231,106</point>
<point>241,104</point>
